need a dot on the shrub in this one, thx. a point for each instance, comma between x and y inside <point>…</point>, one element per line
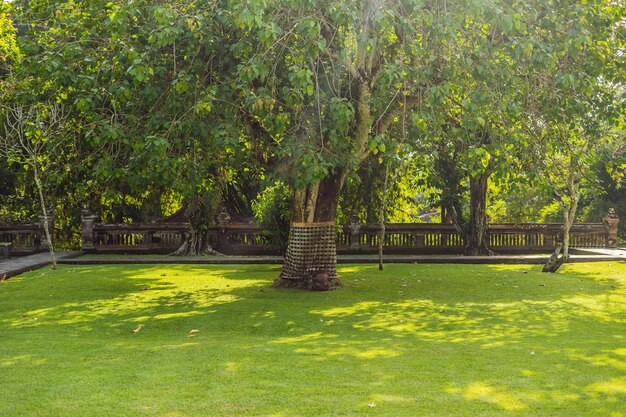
<point>272,211</point>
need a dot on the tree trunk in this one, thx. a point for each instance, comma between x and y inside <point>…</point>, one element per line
<point>199,211</point>
<point>476,237</point>
<point>381,238</point>
<point>554,262</point>
<point>311,249</point>
<point>46,229</point>
<point>569,214</point>
<point>196,243</point>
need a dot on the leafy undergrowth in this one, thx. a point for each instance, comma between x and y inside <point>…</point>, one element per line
<point>414,340</point>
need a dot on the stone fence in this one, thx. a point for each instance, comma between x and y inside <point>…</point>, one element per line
<point>400,238</point>
<point>248,239</point>
<point>26,238</point>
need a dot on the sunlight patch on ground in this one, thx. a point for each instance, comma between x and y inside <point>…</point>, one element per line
<point>178,315</point>
<point>177,346</point>
<point>347,349</point>
<point>378,401</point>
<point>230,368</point>
<point>493,323</point>
<point>325,344</point>
<point>304,338</point>
<point>194,291</point>
<point>612,386</point>
<point>22,360</point>
<point>606,359</point>
<point>487,323</point>
<point>512,268</point>
<point>376,353</point>
<point>480,391</point>
<point>352,269</point>
<point>620,352</point>
<point>599,307</point>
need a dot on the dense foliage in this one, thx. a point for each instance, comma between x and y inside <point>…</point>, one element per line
<point>479,110</point>
<point>272,211</point>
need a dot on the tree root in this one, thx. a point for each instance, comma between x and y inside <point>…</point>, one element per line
<point>187,249</point>
<point>310,283</point>
<point>554,262</point>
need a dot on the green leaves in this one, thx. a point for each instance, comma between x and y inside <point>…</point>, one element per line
<point>140,72</point>
<point>377,144</point>
<point>9,51</point>
<point>303,88</point>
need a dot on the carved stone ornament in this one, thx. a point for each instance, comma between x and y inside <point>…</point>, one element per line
<point>223,218</point>
<point>611,220</point>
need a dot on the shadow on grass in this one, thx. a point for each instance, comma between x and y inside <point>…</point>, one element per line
<point>492,306</point>
<point>504,338</point>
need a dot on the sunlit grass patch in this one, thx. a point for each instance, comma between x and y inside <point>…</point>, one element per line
<point>218,340</point>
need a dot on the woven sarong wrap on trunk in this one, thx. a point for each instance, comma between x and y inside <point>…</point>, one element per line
<point>312,248</point>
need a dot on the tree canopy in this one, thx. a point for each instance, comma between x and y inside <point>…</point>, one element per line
<point>470,104</point>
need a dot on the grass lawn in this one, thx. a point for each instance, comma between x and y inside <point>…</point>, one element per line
<point>414,340</point>
<point>141,256</point>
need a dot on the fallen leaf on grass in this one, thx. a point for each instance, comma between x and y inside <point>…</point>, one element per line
<point>372,405</point>
<point>137,330</point>
<point>192,332</point>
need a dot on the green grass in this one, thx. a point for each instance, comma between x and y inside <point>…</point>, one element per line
<point>414,340</point>
<point>165,257</point>
<point>138,256</point>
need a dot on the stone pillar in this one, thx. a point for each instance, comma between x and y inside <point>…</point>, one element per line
<point>5,250</point>
<point>223,220</point>
<point>354,229</point>
<point>611,220</point>
<point>88,221</point>
<point>547,231</point>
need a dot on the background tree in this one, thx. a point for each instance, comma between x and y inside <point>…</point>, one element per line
<point>9,51</point>
<point>32,136</point>
<point>572,108</point>
<point>145,84</point>
<point>469,127</point>
<point>610,169</point>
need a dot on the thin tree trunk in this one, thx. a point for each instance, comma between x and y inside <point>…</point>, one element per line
<point>567,226</point>
<point>555,261</point>
<point>477,238</point>
<point>569,215</point>
<point>46,229</point>
<point>381,238</point>
<point>311,248</point>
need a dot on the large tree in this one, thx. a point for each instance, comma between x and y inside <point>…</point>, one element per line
<point>328,81</point>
